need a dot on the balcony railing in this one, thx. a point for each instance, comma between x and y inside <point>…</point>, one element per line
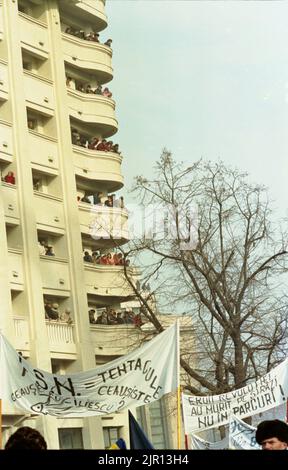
<point>90,108</point>
<point>109,281</point>
<point>103,167</point>
<point>6,142</point>
<point>61,339</point>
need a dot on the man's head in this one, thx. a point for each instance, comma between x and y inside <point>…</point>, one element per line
<point>26,438</point>
<point>272,435</point>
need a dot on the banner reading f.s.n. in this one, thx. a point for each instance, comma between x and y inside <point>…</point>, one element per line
<point>138,378</point>
<point>209,411</point>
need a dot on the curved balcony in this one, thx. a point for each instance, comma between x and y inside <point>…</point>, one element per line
<point>55,276</point>
<point>39,94</point>
<point>93,109</point>
<point>43,152</point>
<point>104,224</point>
<point>10,203</point>
<point>86,10</point>
<point>108,282</point>
<point>34,35</point>
<point>3,81</point>
<point>6,142</point>
<point>90,56</point>
<point>101,167</point>
<point>16,276</point>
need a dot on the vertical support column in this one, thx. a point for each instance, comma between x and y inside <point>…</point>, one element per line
<point>39,346</point>
<point>92,433</point>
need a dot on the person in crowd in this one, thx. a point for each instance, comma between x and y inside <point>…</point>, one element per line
<point>76,138</point>
<point>96,198</point>
<point>66,316</point>
<point>111,317</point>
<point>42,248</point>
<point>109,146</point>
<point>51,311</point>
<point>95,257</point>
<point>91,314</point>
<point>272,435</point>
<point>102,318</point>
<point>98,90</point>
<point>79,33</point>
<point>93,143</point>
<point>80,87</point>
<point>110,259</point>
<point>85,198</point>
<point>88,89</point>
<point>83,142</point>
<point>49,251</point>
<point>120,320</point>
<point>70,83</point>
<point>108,42</point>
<point>26,438</point>
<point>101,146</point>
<point>109,201</point>
<point>115,149</point>
<point>87,258</point>
<point>107,93</point>
<point>119,202</point>
<point>10,178</point>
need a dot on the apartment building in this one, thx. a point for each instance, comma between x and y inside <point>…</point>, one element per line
<point>55,63</point>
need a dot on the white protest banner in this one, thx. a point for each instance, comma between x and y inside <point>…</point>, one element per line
<point>242,435</point>
<point>199,444</point>
<point>214,410</point>
<point>139,378</point>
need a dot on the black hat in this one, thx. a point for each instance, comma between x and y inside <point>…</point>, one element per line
<point>273,428</point>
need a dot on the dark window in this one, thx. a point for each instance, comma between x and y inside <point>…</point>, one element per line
<point>70,438</point>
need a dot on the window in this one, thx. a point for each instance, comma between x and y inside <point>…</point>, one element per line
<point>70,438</point>
<point>111,435</point>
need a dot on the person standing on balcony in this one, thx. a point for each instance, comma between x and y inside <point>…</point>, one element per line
<point>108,42</point>
<point>66,316</point>
<point>9,178</point>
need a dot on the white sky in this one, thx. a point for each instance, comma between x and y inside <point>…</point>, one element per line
<point>202,78</point>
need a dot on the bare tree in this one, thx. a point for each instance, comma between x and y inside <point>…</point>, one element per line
<point>215,251</point>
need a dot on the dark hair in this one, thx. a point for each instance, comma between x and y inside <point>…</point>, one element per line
<point>273,428</point>
<point>26,438</point>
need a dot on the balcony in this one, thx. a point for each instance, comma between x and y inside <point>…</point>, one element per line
<point>34,35</point>
<point>101,167</point>
<point>89,108</point>
<point>61,340</point>
<point>90,11</point>
<point>114,340</point>
<point>6,142</point>
<point>108,282</point>
<point>55,276</point>
<point>89,56</point>
<point>43,153</point>
<point>15,269</point>
<point>104,224</point>
<point>3,82</point>
<point>49,213</point>
<point>21,329</point>
<point>39,94</point>
<point>11,211</point>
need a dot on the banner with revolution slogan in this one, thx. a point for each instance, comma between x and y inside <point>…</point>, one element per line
<point>139,378</point>
<point>214,410</point>
<point>242,435</point>
<point>197,443</point>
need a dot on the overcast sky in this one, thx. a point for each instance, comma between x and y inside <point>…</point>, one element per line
<point>202,78</point>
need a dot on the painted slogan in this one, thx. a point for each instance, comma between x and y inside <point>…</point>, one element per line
<point>206,412</point>
<point>139,378</point>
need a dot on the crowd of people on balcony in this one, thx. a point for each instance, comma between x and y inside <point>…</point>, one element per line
<point>52,312</point>
<point>96,143</point>
<point>109,316</point>
<point>9,178</point>
<point>97,90</point>
<point>90,36</point>
<point>97,199</point>
<point>112,259</point>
